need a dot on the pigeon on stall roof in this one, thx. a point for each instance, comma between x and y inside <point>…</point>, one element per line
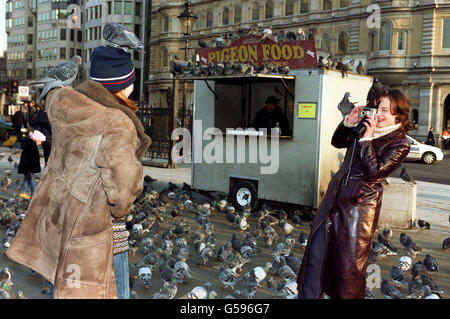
<point>345,106</point>
<point>431,264</point>
<point>389,291</point>
<point>406,177</point>
<point>423,224</point>
<point>266,34</point>
<point>119,36</point>
<point>344,68</point>
<point>323,63</point>
<point>281,36</point>
<point>291,36</point>
<point>301,34</point>
<point>201,43</point>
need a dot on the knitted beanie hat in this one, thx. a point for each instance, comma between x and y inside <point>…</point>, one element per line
<point>112,67</point>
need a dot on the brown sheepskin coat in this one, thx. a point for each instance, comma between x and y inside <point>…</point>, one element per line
<point>93,175</point>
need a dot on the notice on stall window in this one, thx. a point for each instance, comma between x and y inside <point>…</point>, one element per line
<point>307,110</point>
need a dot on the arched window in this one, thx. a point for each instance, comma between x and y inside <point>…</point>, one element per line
<point>343,43</point>
<point>327,5</point>
<point>198,23</point>
<point>304,6</point>
<point>289,8</point>
<point>237,15</point>
<point>209,19</point>
<point>166,24</point>
<point>385,36</point>
<point>255,12</point>
<point>269,10</point>
<point>175,24</point>
<point>225,16</point>
<point>325,44</point>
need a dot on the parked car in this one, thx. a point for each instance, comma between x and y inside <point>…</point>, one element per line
<point>427,153</point>
<point>5,125</point>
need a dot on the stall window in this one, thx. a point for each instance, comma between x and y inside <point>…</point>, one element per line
<point>269,9</point>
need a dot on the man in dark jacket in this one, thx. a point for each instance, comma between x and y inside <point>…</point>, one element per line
<point>430,138</point>
<point>271,115</point>
<point>42,124</point>
<point>17,121</point>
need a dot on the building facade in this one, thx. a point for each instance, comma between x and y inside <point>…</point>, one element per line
<point>40,37</point>
<point>406,43</point>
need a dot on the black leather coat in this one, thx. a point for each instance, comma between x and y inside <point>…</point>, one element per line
<point>339,243</point>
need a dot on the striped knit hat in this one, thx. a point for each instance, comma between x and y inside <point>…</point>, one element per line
<point>112,67</point>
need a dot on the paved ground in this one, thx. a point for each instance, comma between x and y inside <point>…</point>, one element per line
<point>433,204</point>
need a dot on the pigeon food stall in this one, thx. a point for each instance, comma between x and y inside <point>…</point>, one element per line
<point>294,167</point>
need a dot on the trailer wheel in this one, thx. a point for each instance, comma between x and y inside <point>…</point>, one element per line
<point>244,193</point>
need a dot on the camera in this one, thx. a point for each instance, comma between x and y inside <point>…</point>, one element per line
<point>367,111</point>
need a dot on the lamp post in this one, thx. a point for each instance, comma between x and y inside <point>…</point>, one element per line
<point>187,20</point>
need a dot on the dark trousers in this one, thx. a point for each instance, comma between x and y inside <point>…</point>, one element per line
<point>47,147</point>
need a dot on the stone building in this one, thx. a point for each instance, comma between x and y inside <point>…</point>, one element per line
<point>406,43</point>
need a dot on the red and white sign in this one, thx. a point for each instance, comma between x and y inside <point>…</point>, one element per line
<point>295,54</point>
<point>24,91</point>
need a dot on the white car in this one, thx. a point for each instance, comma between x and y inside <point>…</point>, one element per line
<point>427,153</point>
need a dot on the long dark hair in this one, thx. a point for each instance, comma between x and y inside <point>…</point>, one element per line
<point>399,106</point>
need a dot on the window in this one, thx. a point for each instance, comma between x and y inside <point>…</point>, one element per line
<point>79,52</point>
<point>164,57</point>
<point>446,34</point>
<point>289,8</point>
<point>30,38</point>
<point>95,33</point>
<point>137,30</point>
<point>166,24</point>
<point>138,9</point>
<point>237,15</point>
<point>209,19</point>
<point>79,36</point>
<point>255,12</point>
<point>401,41</point>
<point>371,42</point>
<point>327,5</point>
<point>96,12</point>
<point>136,55</point>
<point>62,53</point>
<point>225,16</point>
<point>343,43</point>
<point>91,34</point>
<point>269,10</point>
<point>198,23</point>
<point>109,7</point>
<point>71,52</point>
<point>29,73</point>
<point>385,36</point>
<point>325,44</point>
<point>117,7</point>
<point>304,6</point>
<point>344,3</point>
<point>30,21</point>
<point>128,7</point>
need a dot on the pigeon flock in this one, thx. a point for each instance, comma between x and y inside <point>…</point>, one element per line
<point>176,252</point>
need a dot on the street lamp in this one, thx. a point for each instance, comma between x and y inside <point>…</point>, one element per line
<point>187,20</point>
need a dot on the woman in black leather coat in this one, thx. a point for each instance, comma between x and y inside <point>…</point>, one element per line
<point>336,257</point>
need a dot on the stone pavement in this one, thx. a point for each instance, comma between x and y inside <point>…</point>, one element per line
<point>433,205</point>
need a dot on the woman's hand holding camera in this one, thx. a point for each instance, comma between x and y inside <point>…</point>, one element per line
<point>353,118</point>
<point>370,125</point>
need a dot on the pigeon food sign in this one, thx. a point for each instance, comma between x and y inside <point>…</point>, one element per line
<point>250,49</point>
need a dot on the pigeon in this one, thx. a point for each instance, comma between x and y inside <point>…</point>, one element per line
<point>416,291</point>
<point>60,75</point>
<point>302,239</point>
<point>200,292</point>
<point>406,177</point>
<point>428,294</point>
<point>418,269</point>
<point>252,30</point>
<point>219,42</point>
<point>431,264</point>
<point>167,291</point>
<point>5,274</point>
<point>343,68</point>
<point>225,251</point>
<point>148,179</point>
<point>407,242</point>
<point>266,34</point>
<point>236,243</point>
<point>281,36</point>
<point>183,273</point>
<point>423,224</point>
<point>294,262</point>
<point>349,64</point>
<point>404,263</point>
<point>120,37</point>
<point>281,289</point>
<point>445,244</point>
<point>360,68</point>
<point>228,277</point>
<point>5,183</point>
<point>426,281</point>
<point>399,277</point>
<point>369,293</point>
<point>389,291</point>
<point>145,274</point>
<point>250,286</point>
<point>291,36</point>
<point>345,106</point>
<point>286,272</point>
<point>260,272</point>
<point>379,251</point>
<point>205,254</point>
<point>386,243</point>
<point>387,233</point>
<point>375,90</point>
<point>323,63</point>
